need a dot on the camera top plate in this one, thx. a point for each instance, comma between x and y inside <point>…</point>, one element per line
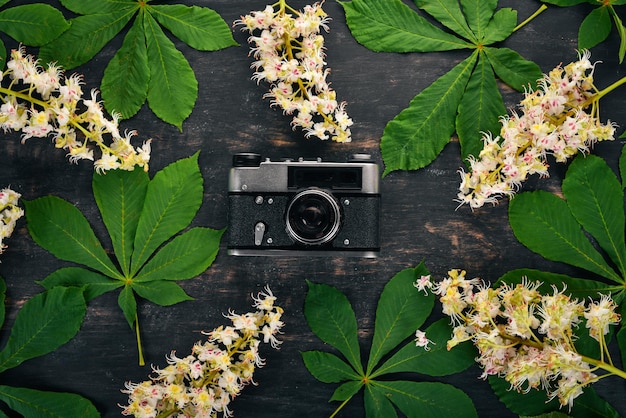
<point>251,173</point>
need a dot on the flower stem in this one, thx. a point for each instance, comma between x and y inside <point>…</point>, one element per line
<point>610,88</point>
<point>142,362</point>
<point>531,17</point>
<point>605,366</point>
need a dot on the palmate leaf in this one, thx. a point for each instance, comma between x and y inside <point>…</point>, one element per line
<point>327,367</point>
<point>397,314</point>
<point>172,88</point>
<point>391,26</point>
<point>163,293</point>
<point>401,308</point>
<point>449,13</point>
<point>172,200</point>
<point>59,227</point>
<point>127,302</point>
<point>33,24</point>
<point>479,112</point>
<point>86,37</point>
<point>478,14</point>
<point>595,28</point>
<point>186,256</point>
<point>120,195</point>
<point>126,77</point>
<point>330,316</point>
<point>437,361</point>
<point>44,404</point>
<point>93,283</point>
<point>147,67</point>
<point>416,136</point>
<point>425,399</point>
<point>45,322</point>
<point>535,402</point>
<point>512,68</point>
<point>596,199</point>
<point>200,28</point>
<point>143,218</point>
<point>543,223</point>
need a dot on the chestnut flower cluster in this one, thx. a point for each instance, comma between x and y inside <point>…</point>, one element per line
<point>41,102</point>
<point>527,337</point>
<point>204,383</point>
<point>553,121</point>
<point>10,212</point>
<point>289,53</point>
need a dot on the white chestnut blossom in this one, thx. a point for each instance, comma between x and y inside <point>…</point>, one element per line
<point>554,120</point>
<point>41,102</point>
<point>204,383</point>
<point>10,212</point>
<point>289,53</point>
<point>527,337</point>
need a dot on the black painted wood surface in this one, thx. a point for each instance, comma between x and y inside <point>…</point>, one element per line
<point>419,220</point>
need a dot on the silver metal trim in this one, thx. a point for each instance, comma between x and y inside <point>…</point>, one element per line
<point>302,253</point>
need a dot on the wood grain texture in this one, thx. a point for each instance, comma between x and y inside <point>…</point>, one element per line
<point>419,220</point>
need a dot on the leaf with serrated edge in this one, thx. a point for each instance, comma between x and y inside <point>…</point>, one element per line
<point>161,292</point>
<point>173,198</point>
<point>330,316</point>
<point>90,7</point>
<point>126,300</point>
<point>436,361</point>
<point>432,399</point>
<point>544,224</point>
<point>512,68</point>
<point>479,109</point>
<point>392,26</point>
<point>120,196</point>
<point>346,390</point>
<point>186,256</point>
<point>596,199</point>
<point>33,24</point>
<point>327,367</point>
<point>448,13</point>
<point>125,80</point>
<point>45,322</point>
<point>45,404</point>
<point>59,227</point>
<point>199,27</point>
<point>94,284</point>
<point>595,28</point>
<point>398,315</point>
<point>478,13</point>
<point>416,136</point>
<point>173,88</point>
<point>500,27</point>
<point>377,403</point>
<point>86,36</point>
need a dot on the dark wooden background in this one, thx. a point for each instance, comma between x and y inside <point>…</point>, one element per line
<point>419,220</point>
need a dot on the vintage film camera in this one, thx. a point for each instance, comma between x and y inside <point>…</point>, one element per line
<point>303,207</point>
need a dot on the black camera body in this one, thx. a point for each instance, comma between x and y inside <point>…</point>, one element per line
<point>303,207</point>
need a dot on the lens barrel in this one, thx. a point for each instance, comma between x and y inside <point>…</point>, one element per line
<point>313,217</point>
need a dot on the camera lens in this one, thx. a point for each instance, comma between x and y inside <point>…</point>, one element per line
<point>313,217</point>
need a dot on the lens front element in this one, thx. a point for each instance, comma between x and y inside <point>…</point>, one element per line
<point>313,217</point>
